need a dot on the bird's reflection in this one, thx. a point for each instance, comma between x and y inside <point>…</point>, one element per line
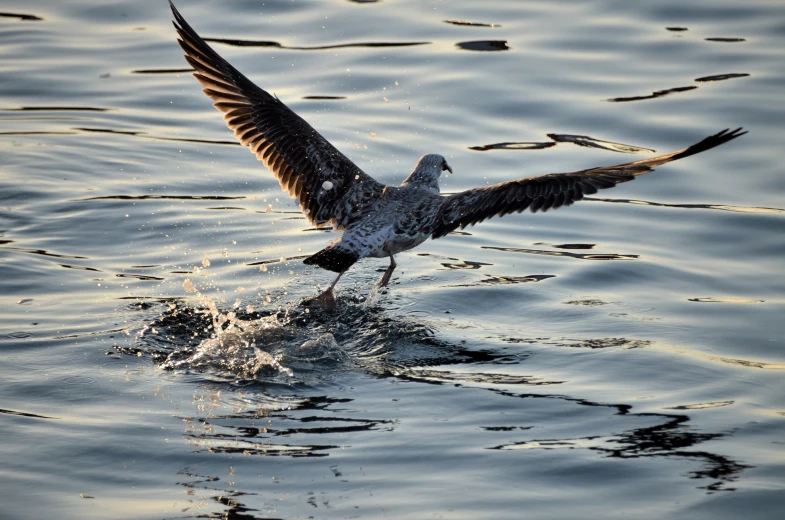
<point>268,415</point>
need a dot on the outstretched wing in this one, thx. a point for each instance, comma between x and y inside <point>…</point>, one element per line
<point>552,191</point>
<point>305,163</point>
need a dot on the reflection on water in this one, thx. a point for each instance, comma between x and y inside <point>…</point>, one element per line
<point>512,146</point>
<point>270,417</point>
<point>726,40</point>
<point>259,43</point>
<point>324,98</point>
<point>721,207</point>
<point>23,17</point>
<point>673,439</point>
<point>721,77</point>
<point>162,71</point>
<point>158,138</point>
<point>484,45</point>
<point>591,142</point>
<point>385,344</point>
<point>507,280</point>
<point>654,95</point>
<point>502,371</point>
<point>471,24</point>
<point>25,414</point>
<point>55,109</point>
<point>580,140</point>
<point>580,256</point>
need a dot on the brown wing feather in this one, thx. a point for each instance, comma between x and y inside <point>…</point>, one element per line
<point>299,157</point>
<point>554,190</point>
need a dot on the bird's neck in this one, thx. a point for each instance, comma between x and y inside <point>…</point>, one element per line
<point>420,181</point>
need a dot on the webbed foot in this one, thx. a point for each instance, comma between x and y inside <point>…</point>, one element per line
<point>325,301</point>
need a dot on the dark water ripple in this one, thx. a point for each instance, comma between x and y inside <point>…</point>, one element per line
<point>465,23</point>
<point>497,374</point>
<point>512,146</point>
<point>25,414</point>
<point>22,17</point>
<point>277,45</point>
<point>579,256</point>
<point>591,142</point>
<point>654,95</point>
<point>162,71</point>
<point>726,40</point>
<point>55,109</point>
<point>157,138</point>
<point>721,77</point>
<point>484,45</point>
<point>580,140</point>
<point>324,98</point>
<point>293,430</point>
<point>720,207</point>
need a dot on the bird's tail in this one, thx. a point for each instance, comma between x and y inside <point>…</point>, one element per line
<point>333,258</point>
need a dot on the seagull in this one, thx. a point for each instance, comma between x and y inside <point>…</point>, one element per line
<point>377,220</point>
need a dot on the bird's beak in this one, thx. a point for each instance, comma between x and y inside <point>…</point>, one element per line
<point>447,167</point>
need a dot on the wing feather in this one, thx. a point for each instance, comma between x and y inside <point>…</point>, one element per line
<point>297,155</point>
<point>553,190</point>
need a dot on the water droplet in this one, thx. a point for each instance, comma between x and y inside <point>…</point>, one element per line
<point>225,253</point>
<point>188,285</point>
<point>269,208</point>
<point>263,268</point>
<point>327,185</point>
<point>206,262</point>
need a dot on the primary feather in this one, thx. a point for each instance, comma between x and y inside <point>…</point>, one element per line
<point>379,220</point>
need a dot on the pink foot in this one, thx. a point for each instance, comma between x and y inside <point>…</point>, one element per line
<point>325,301</point>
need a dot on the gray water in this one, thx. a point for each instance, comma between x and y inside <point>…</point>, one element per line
<point>620,358</point>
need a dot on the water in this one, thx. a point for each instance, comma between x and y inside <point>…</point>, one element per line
<point>621,358</point>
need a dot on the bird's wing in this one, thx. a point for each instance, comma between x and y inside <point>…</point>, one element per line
<point>304,162</point>
<point>552,191</point>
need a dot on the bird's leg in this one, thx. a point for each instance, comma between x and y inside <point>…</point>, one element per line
<point>388,273</point>
<point>326,300</point>
<point>330,289</point>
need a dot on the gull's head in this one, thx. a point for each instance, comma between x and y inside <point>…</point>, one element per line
<point>427,171</point>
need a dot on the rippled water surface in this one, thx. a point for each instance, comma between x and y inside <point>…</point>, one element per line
<point>620,358</point>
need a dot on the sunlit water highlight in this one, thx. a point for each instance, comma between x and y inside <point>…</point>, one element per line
<point>622,358</point>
